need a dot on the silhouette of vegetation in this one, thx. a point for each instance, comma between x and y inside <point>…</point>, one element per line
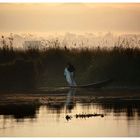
<point>33,68</point>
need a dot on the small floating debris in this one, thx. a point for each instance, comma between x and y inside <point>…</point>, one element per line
<point>88,115</point>
<point>68,117</point>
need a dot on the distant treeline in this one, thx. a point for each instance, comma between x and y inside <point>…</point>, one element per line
<point>33,68</point>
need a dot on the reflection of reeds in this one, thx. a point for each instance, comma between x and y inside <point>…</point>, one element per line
<point>20,111</point>
<point>44,67</point>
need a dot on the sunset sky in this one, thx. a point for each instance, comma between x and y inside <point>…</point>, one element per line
<point>76,17</point>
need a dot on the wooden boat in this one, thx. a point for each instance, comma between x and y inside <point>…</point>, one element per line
<point>94,85</point>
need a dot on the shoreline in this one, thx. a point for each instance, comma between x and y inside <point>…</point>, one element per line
<point>36,97</point>
<point>63,89</point>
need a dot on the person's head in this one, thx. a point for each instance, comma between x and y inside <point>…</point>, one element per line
<point>68,64</point>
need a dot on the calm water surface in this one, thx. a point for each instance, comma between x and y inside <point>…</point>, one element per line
<point>45,114</point>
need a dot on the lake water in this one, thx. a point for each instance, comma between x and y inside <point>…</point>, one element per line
<point>44,114</point>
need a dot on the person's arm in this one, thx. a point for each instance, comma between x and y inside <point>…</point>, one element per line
<point>65,72</point>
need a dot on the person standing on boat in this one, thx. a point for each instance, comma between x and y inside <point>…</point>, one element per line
<point>69,73</point>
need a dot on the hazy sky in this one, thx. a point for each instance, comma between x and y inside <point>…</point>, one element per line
<point>70,17</point>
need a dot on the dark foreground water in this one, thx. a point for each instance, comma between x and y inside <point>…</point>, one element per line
<point>44,113</point>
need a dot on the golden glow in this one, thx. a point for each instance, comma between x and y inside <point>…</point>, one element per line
<point>70,17</point>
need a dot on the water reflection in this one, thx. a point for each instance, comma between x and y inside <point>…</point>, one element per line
<point>70,101</point>
<point>19,111</point>
<point>129,108</point>
<point>47,114</point>
<point>67,103</point>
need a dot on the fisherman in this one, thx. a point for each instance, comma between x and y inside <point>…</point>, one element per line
<point>69,73</point>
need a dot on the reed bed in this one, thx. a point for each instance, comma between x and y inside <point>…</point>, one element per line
<point>33,68</point>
